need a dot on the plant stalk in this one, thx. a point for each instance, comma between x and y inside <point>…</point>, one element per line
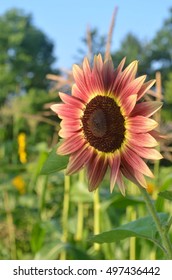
<point>80,218</point>
<point>96,217</point>
<point>65,214</point>
<point>165,240</point>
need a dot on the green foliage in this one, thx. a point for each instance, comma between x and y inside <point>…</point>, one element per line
<point>31,215</point>
<point>26,55</point>
<point>54,162</point>
<point>133,49</point>
<point>142,228</point>
<point>166,194</point>
<point>161,47</point>
<point>97,45</point>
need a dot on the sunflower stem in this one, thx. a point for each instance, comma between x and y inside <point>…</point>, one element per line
<point>65,214</point>
<point>164,238</point>
<point>96,217</point>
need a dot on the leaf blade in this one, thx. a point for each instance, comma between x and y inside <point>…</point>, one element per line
<point>166,194</point>
<point>54,162</point>
<point>142,228</point>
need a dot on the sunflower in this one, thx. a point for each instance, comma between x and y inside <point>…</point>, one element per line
<point>104,124</point>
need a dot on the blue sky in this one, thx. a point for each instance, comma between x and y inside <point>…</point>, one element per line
<point>65,21</point>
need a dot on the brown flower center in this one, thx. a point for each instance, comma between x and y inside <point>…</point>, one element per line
<point>103,124</point>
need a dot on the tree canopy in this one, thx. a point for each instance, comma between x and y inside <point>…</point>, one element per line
<point>26,54</point>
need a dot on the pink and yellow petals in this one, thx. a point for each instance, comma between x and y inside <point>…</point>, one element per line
<point>148,153</point>
<point>66,111</point>
<point>146,109</point>
<point>134,175</point>
<point>131,159</point>
<point>133,87</point>
<point>114,162</point>
<point>96,169</point>
<point>78,160</point>
<point>71,100</point>
<point>139,137</point>
<point>128,105</point>
<point>145,87</point>
<point>140,124</point>
<point>126,77</point>
<point>120,183</point>
<point>71,145</point>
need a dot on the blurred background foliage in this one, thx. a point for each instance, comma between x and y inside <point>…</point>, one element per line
<point>31,216</point>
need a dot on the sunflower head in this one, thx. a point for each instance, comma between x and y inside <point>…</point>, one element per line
<point>104,124</point>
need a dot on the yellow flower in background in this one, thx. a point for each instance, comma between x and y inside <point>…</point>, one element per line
<point>150,187</point>
<point>19,184</point>
<point>22,147</point>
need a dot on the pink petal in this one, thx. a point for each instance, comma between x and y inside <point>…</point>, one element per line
<point>130,158</point>
<point>133,87</point>
<point>158,136</point>
<point>126,77</point>
<point>64,133</point>
<point>97,77</point>
<point>114,165</point>
<point>70,145</point>
<point>128,104</point>
<point>96,169</point>
<point>71,100</point>
<point>78,93</point>
<point>147,153</point>
<point>142,139</point>
<point>86,67</point>
<point>146,109</point>
<point>120,183</point>
<point>69,127</point>
<point>120,66</point>
<point>80,80</point>
<point>65,110</point>
<point>108,75</point>
<point>134,176</point>
<point>88,75</point>
<point>70,124</point>
<point>140,124</point>
<point>145,87</point>
<point>98,62</point>
<point>78,160</point>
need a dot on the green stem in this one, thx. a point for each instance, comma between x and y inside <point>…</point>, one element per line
<point>10,225</point>
<point>165,240</point>
<point>65,214</point>
<point>96,217</point>
<point>131,214</point>
<point>80,218</point>
<point>169,224</point>
<point>79,230</point>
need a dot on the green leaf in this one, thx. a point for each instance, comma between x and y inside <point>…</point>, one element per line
<point>166,195</point>
<point>54,162</point>
<point>37,237</point>
<point>143,228</point>
<point>52,250</point>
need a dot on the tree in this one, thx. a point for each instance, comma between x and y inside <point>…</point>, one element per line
<point>93,43</point>
<point>161,50</point>
<point>132,48</point>
<point>26,55</point>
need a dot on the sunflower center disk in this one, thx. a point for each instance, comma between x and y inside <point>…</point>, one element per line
<point>103,124</point>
